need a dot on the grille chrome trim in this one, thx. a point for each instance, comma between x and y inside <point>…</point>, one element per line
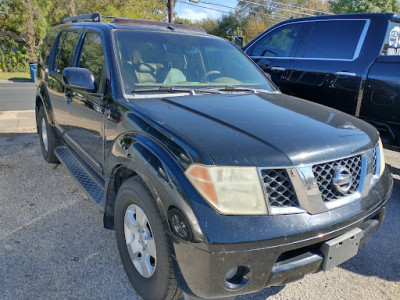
<point>306,187</point>
<point>325,175</point>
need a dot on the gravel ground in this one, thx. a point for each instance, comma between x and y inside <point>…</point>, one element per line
<point>53,245</point>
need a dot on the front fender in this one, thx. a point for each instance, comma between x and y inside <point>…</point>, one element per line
<point>159,170</point>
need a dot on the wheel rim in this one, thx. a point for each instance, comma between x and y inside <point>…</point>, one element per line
<point>44,135</point>
<point>140,241</point>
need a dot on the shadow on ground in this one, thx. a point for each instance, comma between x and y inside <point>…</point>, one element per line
<point>380,257</point>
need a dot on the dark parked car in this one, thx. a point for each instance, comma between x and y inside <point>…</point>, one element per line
<point>216,183</point>
<point>348,62</point>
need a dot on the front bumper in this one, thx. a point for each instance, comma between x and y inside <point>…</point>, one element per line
<point>272,262</point>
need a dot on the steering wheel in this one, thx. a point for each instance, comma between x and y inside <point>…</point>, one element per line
<point>208,74</point>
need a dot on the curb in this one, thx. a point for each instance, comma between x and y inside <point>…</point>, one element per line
<point>22,121</point>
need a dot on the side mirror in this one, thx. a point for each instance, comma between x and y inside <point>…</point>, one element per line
<point>79,78</point>
<point>238,41</point>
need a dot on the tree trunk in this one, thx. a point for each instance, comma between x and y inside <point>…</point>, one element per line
<point>71,8</point>
<point>31,34</point>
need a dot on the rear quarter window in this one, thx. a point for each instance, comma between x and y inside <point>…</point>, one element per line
<point>46,49</point>
<point>334,39</point>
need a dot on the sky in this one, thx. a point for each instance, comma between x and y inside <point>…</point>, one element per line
<point>193,11</point>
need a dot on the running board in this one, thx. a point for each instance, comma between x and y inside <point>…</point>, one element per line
<point>85,179</point>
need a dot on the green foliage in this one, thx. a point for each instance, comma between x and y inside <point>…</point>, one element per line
<point>13,62</point>
<point>15,16</point>
<point>364,6</point>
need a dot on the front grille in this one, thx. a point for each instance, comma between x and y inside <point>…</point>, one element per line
<point>279,188</point>
<point>324,173</point>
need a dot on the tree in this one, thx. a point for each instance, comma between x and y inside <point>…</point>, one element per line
<point>31,33</point>
<point>364,6</point>
<point>71,8</point>
<point>253,28</point>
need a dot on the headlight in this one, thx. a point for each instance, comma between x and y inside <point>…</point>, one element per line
<point>381,158</point>
<point>229,190</point>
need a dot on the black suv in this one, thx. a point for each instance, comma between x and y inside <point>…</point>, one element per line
<point>348,62</point>
<point>216,183</point>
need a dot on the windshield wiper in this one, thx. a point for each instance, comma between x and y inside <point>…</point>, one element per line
<point>162,89</point>
<point>229,88</point>
<point>171,89</point>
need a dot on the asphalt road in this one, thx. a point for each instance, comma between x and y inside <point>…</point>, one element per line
<point>17,96</point>
<point>53,245</point>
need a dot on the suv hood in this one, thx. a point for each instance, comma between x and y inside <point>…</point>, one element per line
<point>260,129</point>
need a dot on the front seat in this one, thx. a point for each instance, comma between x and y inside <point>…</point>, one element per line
<point>178,64</point>
<point>145,72</point>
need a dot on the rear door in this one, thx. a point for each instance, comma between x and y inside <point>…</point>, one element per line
<point>84,123</point>
<point>273,52</point>
<point>328,66</point>
<point>66,44</point>
<point>381,100</point>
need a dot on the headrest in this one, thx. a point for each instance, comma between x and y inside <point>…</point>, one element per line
<point>148,67</point>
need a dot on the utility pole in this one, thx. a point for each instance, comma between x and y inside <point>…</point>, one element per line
<point>170,8</point>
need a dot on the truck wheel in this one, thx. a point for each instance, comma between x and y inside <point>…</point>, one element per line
<point>142,242</point>
<point>47,137</point>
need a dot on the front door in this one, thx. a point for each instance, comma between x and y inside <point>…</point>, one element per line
<point>327,69</point>
<point>274,51</point>
<point>84,121</point>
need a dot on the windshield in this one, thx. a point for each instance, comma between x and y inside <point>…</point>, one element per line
<point>159,59</point>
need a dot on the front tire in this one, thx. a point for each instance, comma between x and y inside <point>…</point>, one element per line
<point>47,136</point>
<point>142,242</point>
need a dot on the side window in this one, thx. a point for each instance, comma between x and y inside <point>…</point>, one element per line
<point>92,55</point>
<point>391,45</point>
<point>66,49</point>
<point>282,42</point>
<point>334,39</point>
<point>47,46</point>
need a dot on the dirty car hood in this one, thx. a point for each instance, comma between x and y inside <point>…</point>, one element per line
<point>261,129</point>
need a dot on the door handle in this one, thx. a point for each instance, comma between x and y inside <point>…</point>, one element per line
<point>277,69</point>
<point>345,73</point>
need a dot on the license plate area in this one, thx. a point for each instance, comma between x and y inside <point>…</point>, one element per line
<point>341,248</point>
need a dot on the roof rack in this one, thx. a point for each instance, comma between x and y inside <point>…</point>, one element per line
<point>146,23</point>
<point>95,17</point>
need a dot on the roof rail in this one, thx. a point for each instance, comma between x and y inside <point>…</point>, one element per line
<point>146,23</point>
<point>95,17</point>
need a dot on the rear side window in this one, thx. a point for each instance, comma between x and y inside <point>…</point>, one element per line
<point>66,49</point>
<point>391,45</point>
<point>92,56</point>
<point>47,46</point>
<point>282,42</point>
<point>334,39</point>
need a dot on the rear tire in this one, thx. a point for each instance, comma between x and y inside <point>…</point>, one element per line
<point>140,228</point>
<point>47,136</point>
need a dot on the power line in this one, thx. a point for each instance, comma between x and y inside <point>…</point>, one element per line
<point>263,5</point>
<point>192,4</point>
<point>249,10</point>
<point>215,9</point>
<point>287,5</point>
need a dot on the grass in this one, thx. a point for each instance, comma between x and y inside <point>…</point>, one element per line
<point>14,76</point>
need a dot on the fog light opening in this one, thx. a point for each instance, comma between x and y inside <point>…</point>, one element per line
<point>179,224</point>
<point>237,277</point>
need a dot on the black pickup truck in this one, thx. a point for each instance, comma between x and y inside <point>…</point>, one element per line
<point>348,62</point>
<point>215,182</point>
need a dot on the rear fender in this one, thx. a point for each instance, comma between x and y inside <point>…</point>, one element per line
<point>42,95</point>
